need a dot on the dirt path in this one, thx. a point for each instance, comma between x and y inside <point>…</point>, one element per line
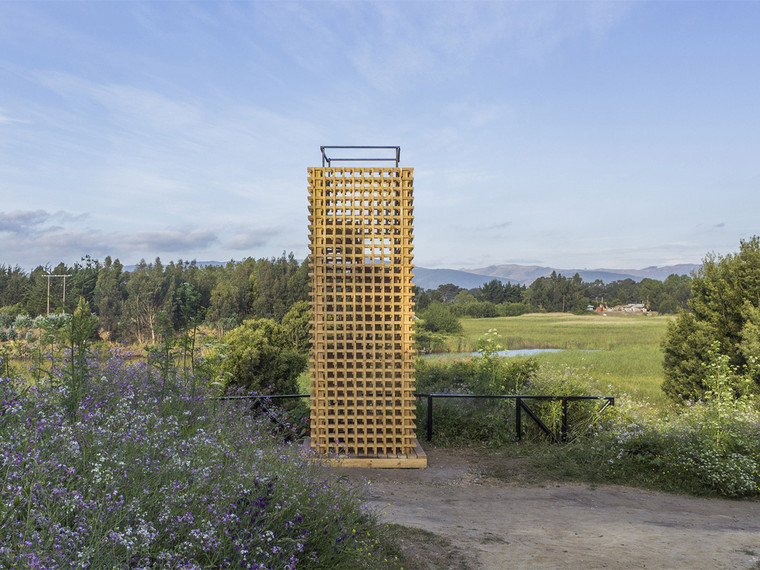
<point>495,517</point>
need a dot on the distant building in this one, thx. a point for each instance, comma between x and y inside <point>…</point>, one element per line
<point>630,308</point>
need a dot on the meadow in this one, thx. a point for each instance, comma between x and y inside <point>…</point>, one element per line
<point>619,350</point>
<point>123,460</point>
<point>710,446</point>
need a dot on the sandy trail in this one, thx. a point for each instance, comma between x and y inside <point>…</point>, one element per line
<point>487,507</point>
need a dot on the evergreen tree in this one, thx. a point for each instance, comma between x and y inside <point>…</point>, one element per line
<point>725,310</point>
<point>109,295</point>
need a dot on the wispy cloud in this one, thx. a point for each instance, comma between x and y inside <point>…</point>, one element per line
<point>170,241</point>
<point>34,235</point>
<point>251,239</point>
<point>409,43</point>
<point>130,107</point>
<point>24,223</point>
<point>5,119</point>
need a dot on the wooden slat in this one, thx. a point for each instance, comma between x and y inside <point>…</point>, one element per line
<point>415,460</point>
<point>361,293</point>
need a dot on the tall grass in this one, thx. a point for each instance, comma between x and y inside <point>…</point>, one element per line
<point>563,330</point>
<point>711,446</point>
<point>633,370</point>
<point>622,351</point>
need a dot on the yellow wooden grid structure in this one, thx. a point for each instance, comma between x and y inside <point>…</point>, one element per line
<point>362,383</point>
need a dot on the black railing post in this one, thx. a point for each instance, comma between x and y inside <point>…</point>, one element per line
<point>518,418</point>
<point>430,418</point>
<point>563,427</point>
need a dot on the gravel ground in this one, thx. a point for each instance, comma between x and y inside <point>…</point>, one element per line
<point>487,511</point>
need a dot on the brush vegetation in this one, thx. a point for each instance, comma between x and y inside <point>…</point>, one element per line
<point>619,350</point>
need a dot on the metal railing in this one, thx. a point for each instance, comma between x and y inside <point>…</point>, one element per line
<point>520,406</point>
<point>329,159</point>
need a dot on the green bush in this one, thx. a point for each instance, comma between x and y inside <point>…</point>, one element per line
<point>260,357</point>
<point>475,309</point>
<point>452,376</point>
<point>489,422</point>
<point>439,318</point>
<point>513,309</point>
<point>426,342</point>
<point>23,322</point>
<point>711,446</point>
<point>11,311</point>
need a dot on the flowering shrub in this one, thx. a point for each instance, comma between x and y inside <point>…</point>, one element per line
<point>710,446</point>
<point>707,447</point>
<point>135,479</point>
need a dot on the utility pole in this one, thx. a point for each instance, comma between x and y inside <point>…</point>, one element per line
<point>48,292</point>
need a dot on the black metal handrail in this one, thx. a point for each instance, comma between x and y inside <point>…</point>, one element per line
<point>520,405</point>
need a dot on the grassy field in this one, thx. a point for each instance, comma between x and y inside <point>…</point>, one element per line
<point>620,350</point>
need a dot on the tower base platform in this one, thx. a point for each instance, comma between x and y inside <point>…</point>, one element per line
<point>415,460</point>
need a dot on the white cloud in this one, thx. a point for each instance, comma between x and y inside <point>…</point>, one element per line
<point>169,240</point>
<point>26,223</point>
<point>5,119</point>
<point>250,239</point>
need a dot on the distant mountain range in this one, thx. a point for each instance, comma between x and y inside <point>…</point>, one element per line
<point>527,274</point>
<point>522,274</point>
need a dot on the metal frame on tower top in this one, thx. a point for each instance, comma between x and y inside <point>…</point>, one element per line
<point>328,160</point>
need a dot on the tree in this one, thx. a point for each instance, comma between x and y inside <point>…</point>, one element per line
<point>108,297</point>
<point>188,312</point>
<point>82,329</point>
<point>676,294</point>
<point>36,293</point>
<point>149,292</point>
<point>278,284</point>
<point>421,298</point>
<point>439,318</point>
<point>83,280</point>
<point>449,291</point>
<point>493,292</point>
<point>724,310</point>
<point>13,284</point>
<point>297,325</point>
<point>261,358</point>
<point>461,302</point>
<point>557,293</point>
<point>188,315</point>
<point>232,296</point>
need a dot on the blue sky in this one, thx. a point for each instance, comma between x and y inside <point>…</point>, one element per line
<point>573,134</point>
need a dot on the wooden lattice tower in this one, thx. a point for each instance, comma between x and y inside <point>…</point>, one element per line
<point>362,384</point>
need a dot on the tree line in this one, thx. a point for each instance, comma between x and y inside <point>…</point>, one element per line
<point>558,293</point>
<point>717,307</point>
<point>129,304</point>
